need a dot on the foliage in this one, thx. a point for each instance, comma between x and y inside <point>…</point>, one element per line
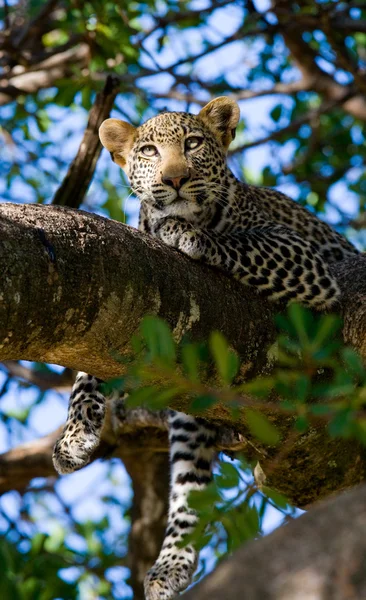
<point>315,379</point>
<point>315,376</point>
<point>49,552</point>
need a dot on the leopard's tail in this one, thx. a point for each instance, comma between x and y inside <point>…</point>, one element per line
<point>192,450</point>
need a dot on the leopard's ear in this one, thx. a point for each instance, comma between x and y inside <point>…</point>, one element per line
<point>222,115</point>
<point>118,137</point>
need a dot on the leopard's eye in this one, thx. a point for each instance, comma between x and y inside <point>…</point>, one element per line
<point>193,142</point>
<point>149,150</point>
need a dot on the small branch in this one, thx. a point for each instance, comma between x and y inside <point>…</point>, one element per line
<point>20,465</point>
<point>127,434</point>
<point>312,115</point>
<point>76,182</point>
<point>6,17</point>
<point>306,60</point>
<point>43,75</point>
<point>59,382</point>
<point>277,88</point>
<point>34,27</point>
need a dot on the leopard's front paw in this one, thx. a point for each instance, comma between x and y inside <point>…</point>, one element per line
<point>190,243</point>
<point>170,575</point>
<point>171,230</point>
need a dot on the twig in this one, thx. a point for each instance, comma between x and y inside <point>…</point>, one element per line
<point>44,381</point>
<point>295,125</point>
<point>75,184</point>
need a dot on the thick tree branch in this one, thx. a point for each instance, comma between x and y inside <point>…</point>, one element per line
<point>320,555</point>
<point>56,308</point>
<point>75,289</point>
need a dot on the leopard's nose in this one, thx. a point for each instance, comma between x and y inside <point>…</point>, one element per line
<point>175,182</point>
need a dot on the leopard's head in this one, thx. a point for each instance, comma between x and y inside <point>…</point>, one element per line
<point>175,161</point>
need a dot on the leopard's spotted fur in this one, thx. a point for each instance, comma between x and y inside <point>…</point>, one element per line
<point>192,201</point>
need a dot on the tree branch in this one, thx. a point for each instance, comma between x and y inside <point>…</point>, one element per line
<point>293,126</point>
<point>56,308</point>
<point>319,555</point>
<point>44,381</point>
<point>42,75</point>
<point>305,59</point>
<point>150,484</point>
<point>74,186</point>
<point>126,434</point>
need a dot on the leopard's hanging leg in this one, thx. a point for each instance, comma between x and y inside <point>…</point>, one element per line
<point>192,450</point>
<point>83,427</point>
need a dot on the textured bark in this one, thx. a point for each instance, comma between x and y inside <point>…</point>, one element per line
<point>320,556</point>
<point>56,308</point>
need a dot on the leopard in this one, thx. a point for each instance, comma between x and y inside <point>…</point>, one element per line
<point>176,163</point>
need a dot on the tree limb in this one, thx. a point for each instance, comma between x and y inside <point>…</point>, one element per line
<point>320,555</point>
<point>44,381</point>
<point>126,434</point>
<point>57,309</point>
<point>150,484</point>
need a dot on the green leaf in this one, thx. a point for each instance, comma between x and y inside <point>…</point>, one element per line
<point>202,403</point>
<point>229,476</point>
<point>276,112</point>
<point>302,321</point>
<point>341,425</point>
<point>326,329</point>
<point>227,362</point>
<point>261,427</point>
<point>191,361</point>
<point>277,498</point>
<point>353,362</point>
<point>201,499</point>
<point>302,423</point>
<point>158,338</point>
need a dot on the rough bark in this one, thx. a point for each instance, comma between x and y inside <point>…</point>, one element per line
<point>320,556</point>
<point>56,309</point>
